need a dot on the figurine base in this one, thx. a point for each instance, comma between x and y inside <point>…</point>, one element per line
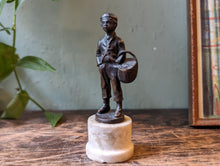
<point>109,143</point>
<point>109,118</point>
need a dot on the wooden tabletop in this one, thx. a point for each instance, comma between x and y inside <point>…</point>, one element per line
<point>161,137</point>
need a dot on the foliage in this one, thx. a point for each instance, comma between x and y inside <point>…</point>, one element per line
<point>35,63</point>
<point>53,118</point>
<point>15,108</point>
<point>9,61</point>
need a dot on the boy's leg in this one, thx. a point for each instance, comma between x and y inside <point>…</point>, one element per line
<point>116,86</point>
<point>106,90</point>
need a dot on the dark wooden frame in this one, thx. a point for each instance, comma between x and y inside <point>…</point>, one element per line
<point>193,50</point>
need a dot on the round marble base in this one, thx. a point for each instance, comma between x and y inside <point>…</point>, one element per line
<point>109,143</point>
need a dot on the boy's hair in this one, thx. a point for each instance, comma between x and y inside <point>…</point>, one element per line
<point>110,16</point>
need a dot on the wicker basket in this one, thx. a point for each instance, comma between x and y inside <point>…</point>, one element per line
<point>127,71</point>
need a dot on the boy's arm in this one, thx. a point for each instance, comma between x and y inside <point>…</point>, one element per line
<point>98,54</point>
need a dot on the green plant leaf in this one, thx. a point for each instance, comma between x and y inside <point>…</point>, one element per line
<point>8,60</point>
<point>35,63</point>
<point>10,1</point>
<point>16,106</point>
<point>53,118</point>
<point>2,4</point>
<point>19,5</point>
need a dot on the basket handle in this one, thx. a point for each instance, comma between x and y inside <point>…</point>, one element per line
<point>129,52</point>
<point>122,52</point>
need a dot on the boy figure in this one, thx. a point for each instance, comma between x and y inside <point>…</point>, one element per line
<point>107,56</point>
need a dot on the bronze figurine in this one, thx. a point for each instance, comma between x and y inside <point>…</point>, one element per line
<point>113,67</point>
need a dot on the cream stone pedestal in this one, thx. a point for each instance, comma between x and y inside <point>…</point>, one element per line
<point>109,143</point>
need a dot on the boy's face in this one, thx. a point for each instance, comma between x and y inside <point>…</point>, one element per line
<point>108,24</point>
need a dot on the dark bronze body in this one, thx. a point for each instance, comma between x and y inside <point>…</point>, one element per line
<point>110,57</point>
<point>108,68</point>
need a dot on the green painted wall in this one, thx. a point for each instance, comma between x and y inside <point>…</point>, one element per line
<point>66,32</point>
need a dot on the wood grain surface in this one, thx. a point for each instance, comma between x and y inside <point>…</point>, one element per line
<point>161,137</point>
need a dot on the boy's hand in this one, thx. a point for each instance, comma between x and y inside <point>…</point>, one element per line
<point>106,59</point>
<point>109,59</point>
